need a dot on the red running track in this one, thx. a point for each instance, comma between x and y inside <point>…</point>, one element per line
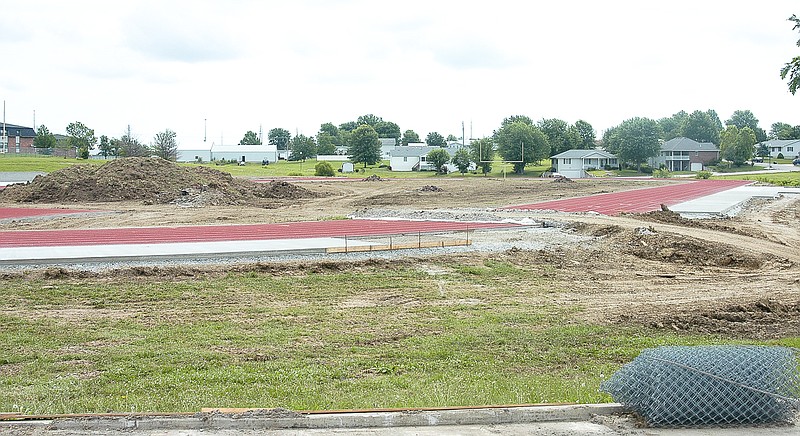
<point>637,200</point>
<point>248,232</point>
<point>21,212</point>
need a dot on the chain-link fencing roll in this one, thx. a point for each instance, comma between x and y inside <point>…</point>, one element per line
<point>709,385</point>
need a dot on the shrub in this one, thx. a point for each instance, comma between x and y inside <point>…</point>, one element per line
<point>323,169</point>
<point>662,173</point>
<point>646,169</point>
<point>294,174</point>
<point>780,156</point>
<point>703,175</point>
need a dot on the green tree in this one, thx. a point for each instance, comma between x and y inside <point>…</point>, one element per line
<point>586,134</point>
<point>44,139</point>
<point>370,120</point>
<point>482,153</point>
<point>323,169</point>
<point>325,144</point>
<point>699,126</point>
<point>107,146</point>
<point>514,118</point>
<point>521,143</point>
<point>388,129</point>
<point>736,145</point>
<point>435,139</point>
<point>461,160</point>
<point>348,126</point>
<point>330,129</point>
<point>364,146</point>
<point>745,118</point>
<point>129,147</point>
<point>302,148</point>
<point>634,140</point>
<point>781,130</point>
<point>279,138</point>
<point>165,146</point>
<point>250,138</point>
<point>559,135</point>
<point>409,136</point>
<point>451,138</point>
<point>81,138</point>
<point>792,68</point>
<point>439,158</point>
<point>672,127</point>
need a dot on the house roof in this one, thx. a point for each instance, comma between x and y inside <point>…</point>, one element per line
<point>24,132</point>
<point>584,154</point>
<point>686,144</point>
<point>781,142</point>
<point>415,151</point>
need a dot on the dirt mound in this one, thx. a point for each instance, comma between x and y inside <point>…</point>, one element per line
<point>373,178</point>
<point>562,179</point>
<point>646,243</point>
<point>666,216</point>
<point>431,188</point>
<point>152,181</point>
<point>762,319</point>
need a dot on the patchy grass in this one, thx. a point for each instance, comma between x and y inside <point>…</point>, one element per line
<point>45,164</point>
<point>780,179</point>
<point>326,336</point>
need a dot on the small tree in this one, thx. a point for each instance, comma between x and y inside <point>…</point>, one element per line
<point>44,139</point>
<point>435,139</point>
<point>250,138</point>
<point>439,158</point>
<point>409,136</point>
<point>107,147</point>
<point>81,138</point>
<point>130,147</point>
<point>165,146</point>
<point>461,160</point>
<point>323,169</point>
<point>303,148</point>
<point>736,145</point>
<point>364,146</point>
<point>482,152</point>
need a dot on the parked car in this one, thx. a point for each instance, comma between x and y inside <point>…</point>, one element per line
<point>796,161</point>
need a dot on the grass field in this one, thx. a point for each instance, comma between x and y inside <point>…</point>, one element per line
<point>48,164</point>
<point>371,336</point>
<point>780,179</point>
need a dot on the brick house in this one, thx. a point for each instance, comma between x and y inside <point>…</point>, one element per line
<point>684,154</point>
<point>16,139</point>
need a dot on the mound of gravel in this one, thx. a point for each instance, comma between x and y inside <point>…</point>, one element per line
<point>152,181</point>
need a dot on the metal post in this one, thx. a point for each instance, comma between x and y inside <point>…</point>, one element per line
<point>345,243</point>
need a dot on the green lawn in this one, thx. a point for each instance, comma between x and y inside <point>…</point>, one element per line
<point>780,179</point>
<point>10,163</point>
<point>366,337</point>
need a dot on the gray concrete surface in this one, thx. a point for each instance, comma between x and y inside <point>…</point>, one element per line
<point>8,178</point>
<point>572,420</point>
<point>730,201</point>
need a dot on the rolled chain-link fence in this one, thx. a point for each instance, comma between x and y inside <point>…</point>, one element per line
<point>709,385</point>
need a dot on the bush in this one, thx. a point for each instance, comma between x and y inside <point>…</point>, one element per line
<point>703,175</point>
<point>294,174</point>
<point>780,156</point>
<point>662,173</point>
<point>646,169</point>
<point>323,169</point>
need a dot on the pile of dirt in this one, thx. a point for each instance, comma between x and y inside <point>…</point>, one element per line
<point>152,181</point>
<point>762,319</point>
<point>373,178</point>
<point>562,179</point>
<point>646,243</point>
<point>431,188</point>
<point>666,216</point>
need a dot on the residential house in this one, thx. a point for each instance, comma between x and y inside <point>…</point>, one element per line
<point>16,139</point>
<point>414,157</point>
<point>684,154</point>
<point>575,163</point>
<point>789,148</point>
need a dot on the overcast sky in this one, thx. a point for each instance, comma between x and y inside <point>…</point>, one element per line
<point>425,65</point>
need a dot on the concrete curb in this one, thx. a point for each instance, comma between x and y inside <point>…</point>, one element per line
<point>274,419</point>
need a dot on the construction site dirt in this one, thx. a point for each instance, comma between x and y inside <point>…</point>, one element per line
<point>732,276</point>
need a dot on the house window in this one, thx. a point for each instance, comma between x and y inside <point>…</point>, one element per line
<point>422,158</point>
<point>405,158</point>
<point>789,148</point>
<point>567,162</point>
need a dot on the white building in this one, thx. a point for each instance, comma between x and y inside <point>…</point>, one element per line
<point>413,157</point>
<point>239,153</point>
<point>575,163</point>
<point>789,148</point>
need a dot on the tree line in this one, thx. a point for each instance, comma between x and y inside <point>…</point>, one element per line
<point>82,139</point>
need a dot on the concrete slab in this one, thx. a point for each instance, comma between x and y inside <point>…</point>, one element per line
<point>729,202</point>
<point>179,250</point>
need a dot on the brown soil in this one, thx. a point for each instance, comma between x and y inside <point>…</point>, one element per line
<point>736,277</point>
<point>152,181</point>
